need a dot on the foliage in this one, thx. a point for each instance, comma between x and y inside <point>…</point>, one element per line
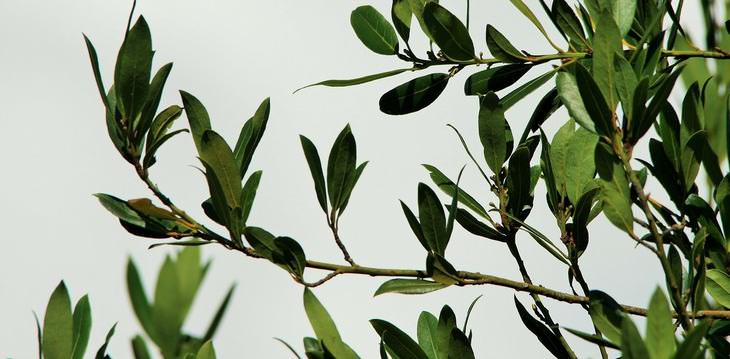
<point>615,69</point>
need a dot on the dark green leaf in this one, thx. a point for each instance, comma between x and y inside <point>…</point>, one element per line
<point>413,95</point>
<point>441,270</point>
<point>448,32</point>
<point>292,256</point>
<point>97,73</point>
<point>474,226</point>
<point>396,341</point>
<point>448,187</point>
<point>132,71</point>
<point>501,48</point>
<point>581,217</point>
<point>251,134</point>
<point>374,30</point>
<point>446,323</point>
<point>494,79</point>
<point>408,286</point>
<point>58,330</point>
<point>415,226</point>
<point>492,125</point>
<point>595,104</point>
<point>518,182</point>
<point>433,222</point>
<point>615,192</point>
<point>341,167</point>
<point>546,337</point>
<point>350,186</point>
<point>315,168</point>
<point>459,346</point>
<point>101,353</point>
<point>153,100</point>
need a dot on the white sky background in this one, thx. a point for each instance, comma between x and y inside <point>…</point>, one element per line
<point>232,54</point>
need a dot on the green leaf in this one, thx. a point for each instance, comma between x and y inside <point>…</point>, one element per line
<point>324,327</point>
<point>718,285</point>
<point>153,101</point>
<point>546,337</point>
<point>218,158</point>
<point>415,226</point>
<point>581,217</point>
<point>448,187</point>
<point>615,192</point>
<point>626,84</point>
<point>341,166</point>
<point>350,186</point>
<point>476,227</point>
<point>494,79</point>
<point>206,351</point>
<point>446,323</point>
<point>459,345</point>
<point>427,335</point>
<point>525,10</point>
<point>198,118</point>
<point>691,344</point>
<point>139,348</point>
<point>101,353</point>
<point>606,314</point>
<point>408,286</point>
<point>525,89</point>
<point>572,158</point>
<point>441,270</point>
<point>398,343</point>
<point>413,95</point>
<point>595,339</point>
<point>433,222</point>
<point>94,58</point>
<point>569,24</point>
<point>722,198</point>
<point>82,327</point>
<point>215,322</point>
<point>492,125</point>
<point>660,339</point>
<point>570,95</point>
<point>606,43</point>
<point>632,346</point>
<point>401,15</point>
<point>375,32</point>
<point>315,168</point>
<point>138,297</point>
<point>356,81</point>
<point>288,346</point>
<point>595,103</point>
<point>251,134</point>
<point>292,257</point>
<point>448,32</point>
<point>58,330</point>
<point>248,194</point>
<point>166,314</point>
<point>132,70</point>
<point>518,182</point>
<point>501,48</point>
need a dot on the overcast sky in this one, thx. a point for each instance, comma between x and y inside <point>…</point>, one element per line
<point>231,55</point>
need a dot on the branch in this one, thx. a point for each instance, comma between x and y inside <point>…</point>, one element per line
<point>476,278</point>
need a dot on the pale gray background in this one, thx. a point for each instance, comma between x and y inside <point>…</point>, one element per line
<point>232,54</point>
